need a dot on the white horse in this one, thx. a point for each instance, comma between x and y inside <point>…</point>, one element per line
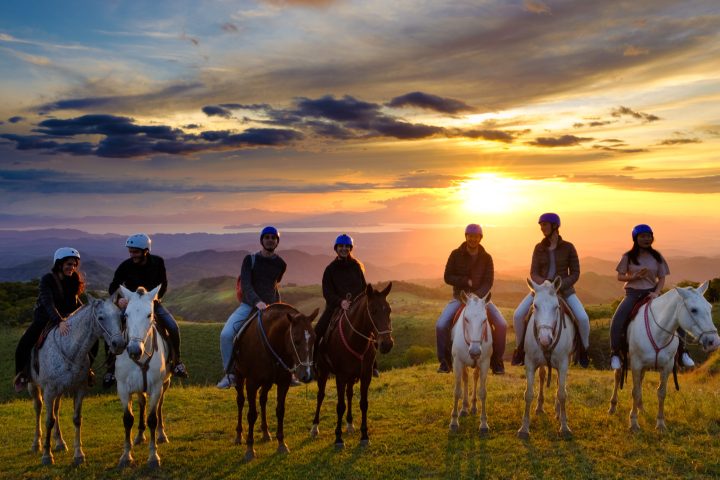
<point>653,342</point>
<point>549,337</point>
<point>471,347</point>
<point>63,367</point>
<point>143,369</point>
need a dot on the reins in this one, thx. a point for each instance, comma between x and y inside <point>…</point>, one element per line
<point>370,338</point>
<point>279,360</point>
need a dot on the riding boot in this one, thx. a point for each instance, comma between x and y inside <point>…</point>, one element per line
<point>496,364</point>
<point>581,355</point>
<point>518,357</point>
<point>179,369</point>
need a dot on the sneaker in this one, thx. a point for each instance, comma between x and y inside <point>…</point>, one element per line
<point>180,370</point>
<point>443,368</point>
<point>582,358</point>
<point>615,362</point>
<point>497,366</point>
<point>686,361</point>
<point>226,382</point>
<point>376,373</point>
<point>108,380</point>
<point>294,382</point>
<point>20,382</point>
<point>518,357</point>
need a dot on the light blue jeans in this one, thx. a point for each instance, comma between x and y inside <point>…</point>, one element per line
<point>573,302</point>
<point>232,326</point>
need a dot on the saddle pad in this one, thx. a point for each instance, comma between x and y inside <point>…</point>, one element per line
<point>637,306</point>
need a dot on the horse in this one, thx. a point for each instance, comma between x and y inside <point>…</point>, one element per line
<point>276,343</point>
<point>349,354</point>
<point>64,365</point>
<point>471,347</point>
<point>143,370</point>
<point>549,338</point>
<point>653,342</point>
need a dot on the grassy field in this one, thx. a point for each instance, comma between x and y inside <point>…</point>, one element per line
<point>409,416</point>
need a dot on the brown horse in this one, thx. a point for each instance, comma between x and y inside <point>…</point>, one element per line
<point>348,351</point>
<point>277,342</point>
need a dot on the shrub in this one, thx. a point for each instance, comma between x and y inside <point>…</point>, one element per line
<point>416,355</point>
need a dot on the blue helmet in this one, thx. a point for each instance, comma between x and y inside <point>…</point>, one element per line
<point>473,229</point>
<point>638,229</point>
<point>344,239</point>
<point>550,218</point>
<point>269,230</point>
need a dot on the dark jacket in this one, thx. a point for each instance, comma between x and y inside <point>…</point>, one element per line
<point>134,275</point>
<point>260,282</point>
<point>342,277</point>
<point>460,268</point>
<point>567,264</point>
<point>57,298</point>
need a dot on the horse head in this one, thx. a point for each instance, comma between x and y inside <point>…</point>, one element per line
<point>139,317</point>
<point>109,317</point>
<point>546,309</point>
<point>379,311</point>
<point>301,342</point>
<point>696,316</point>
<point>474,319</point>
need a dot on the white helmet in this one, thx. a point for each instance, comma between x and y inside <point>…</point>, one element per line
<point>139,240</point>
<point>65,252</point>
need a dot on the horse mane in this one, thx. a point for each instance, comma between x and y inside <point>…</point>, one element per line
<point>141,291</point>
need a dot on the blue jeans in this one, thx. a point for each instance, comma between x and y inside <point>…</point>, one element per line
<point>232,326</point>
<point>573,302</point>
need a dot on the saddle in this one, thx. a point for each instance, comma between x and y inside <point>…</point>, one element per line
<point>624,347</point>
<point>39,343</point>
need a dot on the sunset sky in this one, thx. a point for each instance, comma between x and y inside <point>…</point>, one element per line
<point>170,116</point>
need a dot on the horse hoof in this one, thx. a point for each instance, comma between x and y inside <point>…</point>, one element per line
<point>153,463</point>
<point>163,439</point>
<point>238,439</point>
<point>365,442</point>
<point>634,428</point>
<point>339,445</point>
<point>61,447</point>
<point>314,431</point>
<point>48,460</point>
<point>484,431</point>
<point>565,434</point>
<point>661,429</point>
<point>611,410</point>
<point>454,427</point>
<point>77,461</point>
<point>523,435</point>
<point>139,440</point>
<point>265,438</point>
<point>283,448</point>
<point>35,448</point>
<point>249,455</point>
<point>125,462</point>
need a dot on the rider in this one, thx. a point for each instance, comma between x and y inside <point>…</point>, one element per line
<point>343,280</point>
<point>145,270</point>
<point>260,276</point>
<point>553,257</point>
<point>643,269</point>
<point>470,269</point>
<point>59,296</point>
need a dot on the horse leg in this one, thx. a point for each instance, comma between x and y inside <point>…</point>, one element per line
<point>251,390</point>
<point>264,391</point>
<point>364,387</point>
<point>47,458</point>
<point>541,394</point>
<point>476,375</point>
<point>561,400</point>
<point>340,411</point>
<point>464,412</point>
<point>126,459</point>
<point>350,428</point>
<point>282,390</point>
<point>482,373</point>
<point>161,435</point>
<point>614,398</point>
<point>322,382</point>
<point>240,401</point>
<point>142,403</point>
<point>457,391</point>
<point>60,445</point>
<point>153,461</point>
<point>38,404</point>
<point>661,392</point>
<point>637,398</point>
<point>79,457</point>
<point>524,431</point>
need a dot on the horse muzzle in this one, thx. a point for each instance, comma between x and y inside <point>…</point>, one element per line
<point>475,351</point>
<point>135,350</point>
<point>304,374</point>
<point>386,343</point>
<point>710,343</point>
<point>117,346</point>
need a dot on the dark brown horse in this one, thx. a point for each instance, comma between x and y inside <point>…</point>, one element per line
<point>278,342</point>
<point>348,351</point>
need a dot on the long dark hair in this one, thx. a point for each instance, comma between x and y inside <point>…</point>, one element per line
<point>77,279</point>
<point>635,251</point>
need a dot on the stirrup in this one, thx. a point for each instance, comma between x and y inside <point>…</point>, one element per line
<point>180,370</point>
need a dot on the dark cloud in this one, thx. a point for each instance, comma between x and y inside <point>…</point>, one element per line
<point>216,111</point>
<point>625,111</point>
<point>191,126</point>
<point>347,109</point>
<point>430,102</point>
<point>615,148</point>
<point>680,141</point>
<point>229,27</point>
<point>16,119</point>
<point>492,135</point>
<point>629,168</point>
<point>562,141</point>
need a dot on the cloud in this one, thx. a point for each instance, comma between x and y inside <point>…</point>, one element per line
<point>16,119</point>
<point>680,141</point>
<point>216,111</point>
<point>430,102</point>
<point>562,141</point>
<point>229,27</point>
<point>633,51</point>
<point>489,134</point>
<point>625,111</point>
<point>615,148</point>
<point>536,6</point>
<point>707,184</point>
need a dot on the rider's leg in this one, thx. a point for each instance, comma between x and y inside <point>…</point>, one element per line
<point>24,347</point>
<point>619,322</point>
<point>519,318</point>
<point>583,325</point>
<point>167,321</point>
<point>231,328</point>
<point>442,333</point>
<point>322,324</point>
<point>499,334</point>
<point>683,356</point>
<point>109,377</point>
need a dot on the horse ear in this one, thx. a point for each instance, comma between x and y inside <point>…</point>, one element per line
<point>557,283</point>
<point>703,288</point>
<point>486,297</point>
<point>531,285</point>
<point>369,290</point>
<point>90,298</point>
<point>154,292</point>
<point>124,292</point>
<point>314,314</point>
<point>386,290</point>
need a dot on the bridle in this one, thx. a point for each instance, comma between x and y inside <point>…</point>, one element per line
<point>266,341</point>
<point>556,330</point>
<point>371,338</point>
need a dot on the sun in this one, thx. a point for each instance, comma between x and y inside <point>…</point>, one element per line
<point>490,193</point>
